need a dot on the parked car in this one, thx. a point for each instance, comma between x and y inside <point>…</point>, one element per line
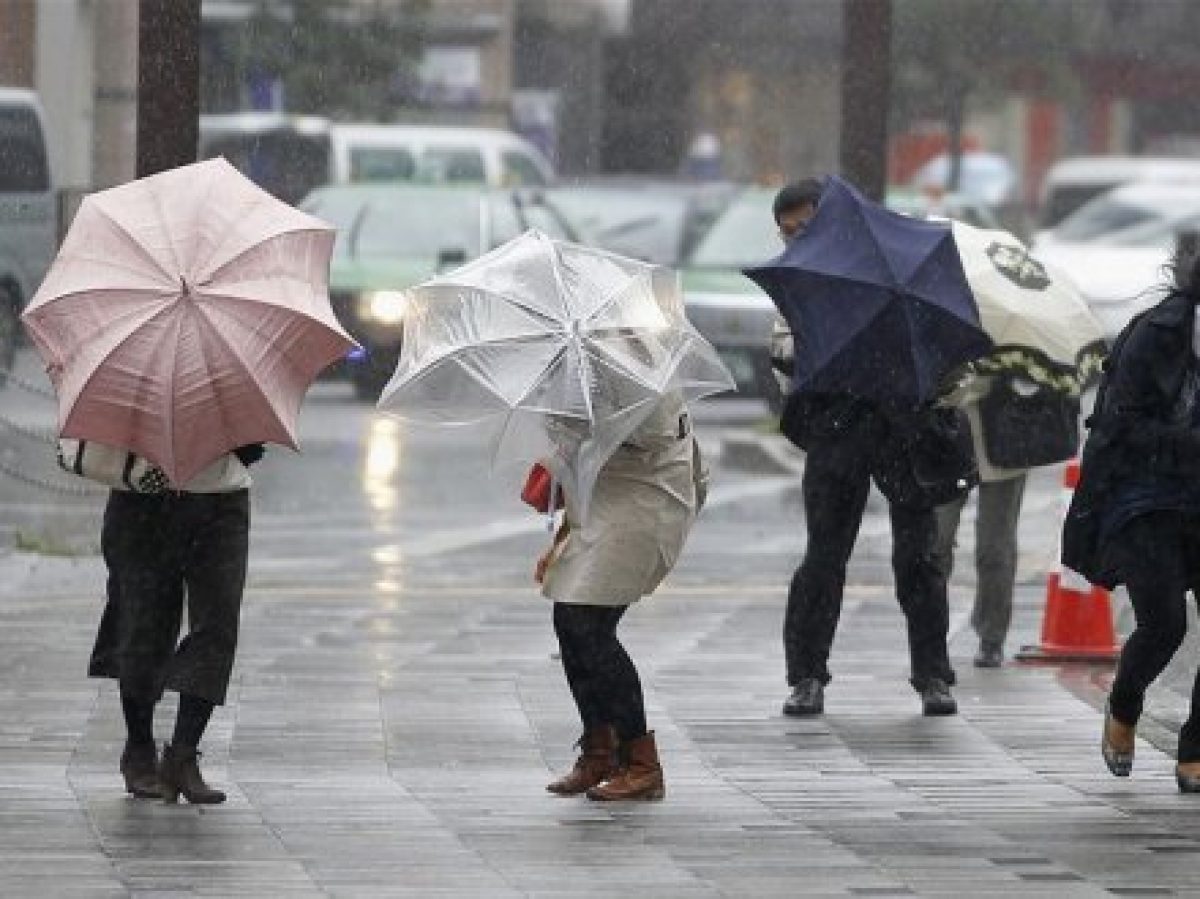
<point>28,223</point>
<point>391,237</point>
<point>290,155</point>
<point>653,220</point>
<point>435,154</point>
<point>1071,183</point>
<point>1117,246</point>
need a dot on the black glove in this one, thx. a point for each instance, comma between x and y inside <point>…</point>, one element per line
<point>250,453</point>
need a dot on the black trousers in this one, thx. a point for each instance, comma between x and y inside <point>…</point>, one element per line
<point>1158,558</point>
<point>599,671</point>
<point>837,481</point>
<point>164,552</point>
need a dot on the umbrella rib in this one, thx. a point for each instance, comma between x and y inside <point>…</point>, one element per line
<point>85,291</point>
<point>507,297</point>
<point>452,356</point>
<point>133,241</point>
<point>238,256</point>
<point>245,366</point>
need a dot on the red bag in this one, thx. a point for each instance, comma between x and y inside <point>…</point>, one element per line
<point>536,491</point>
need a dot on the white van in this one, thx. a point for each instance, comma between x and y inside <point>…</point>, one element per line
<point>28,223</point>
<point>1072,182</point>
<point>435,154</point>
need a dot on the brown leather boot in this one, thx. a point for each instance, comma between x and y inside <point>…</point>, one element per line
<point>640,778</point>
<point>597,761</point>
<point>139,767</point>
<point>179,772</point>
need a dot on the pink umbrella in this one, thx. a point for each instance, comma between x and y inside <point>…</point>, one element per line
<point>185,315</point>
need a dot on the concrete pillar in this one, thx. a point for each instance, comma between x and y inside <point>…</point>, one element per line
<point>18,31</point>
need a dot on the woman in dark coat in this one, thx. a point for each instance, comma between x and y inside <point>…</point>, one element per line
<point>1135,519</point>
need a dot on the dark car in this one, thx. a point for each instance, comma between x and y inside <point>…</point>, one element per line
<point>391,237</point>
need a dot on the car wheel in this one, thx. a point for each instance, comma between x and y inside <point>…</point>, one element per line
<point>10,331</point>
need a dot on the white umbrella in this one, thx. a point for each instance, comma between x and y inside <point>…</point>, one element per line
<point>1035,315</point>
<point>555,351</point>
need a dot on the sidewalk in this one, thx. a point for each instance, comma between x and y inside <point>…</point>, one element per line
<point>397,744</point>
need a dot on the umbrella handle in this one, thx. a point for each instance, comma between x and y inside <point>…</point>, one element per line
<point>550,504</point>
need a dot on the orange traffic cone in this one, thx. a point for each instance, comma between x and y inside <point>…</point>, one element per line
<point>1077,625</point>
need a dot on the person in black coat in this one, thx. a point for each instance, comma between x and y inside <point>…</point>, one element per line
<point>1135,517</point>
<point>851,442</point>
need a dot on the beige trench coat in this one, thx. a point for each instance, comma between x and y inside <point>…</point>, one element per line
<point>645,500</point>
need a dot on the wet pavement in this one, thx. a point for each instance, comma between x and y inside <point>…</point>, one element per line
<point>396,709</point>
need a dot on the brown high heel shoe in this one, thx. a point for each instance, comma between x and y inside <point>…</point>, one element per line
<point>597,761</point>
<point>641,777</point>
<point>1187,776</point>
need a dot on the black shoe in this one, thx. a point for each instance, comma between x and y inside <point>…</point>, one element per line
<point>808,698</point>
<point>139,767</point>
<point>936,698</point>
<point>180,773</point>
<point>990,655</point>
<point>1188,783</point>
<point>1119,762</point>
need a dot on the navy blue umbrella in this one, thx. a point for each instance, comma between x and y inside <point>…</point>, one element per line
<point>877,302</point>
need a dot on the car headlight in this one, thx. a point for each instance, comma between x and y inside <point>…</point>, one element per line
<point>387,307</point>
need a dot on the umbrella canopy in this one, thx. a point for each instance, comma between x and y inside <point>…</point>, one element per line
<point>1035,315</point>
<point>877,301</point>
<point>185,315</point>
<point>558,351</point>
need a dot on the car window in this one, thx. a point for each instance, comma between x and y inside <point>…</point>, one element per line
<point>384,226</point>
<point>1101,217</point>
<point>382,164</point>
<point>453,164</point>
<point>744,235</point>
<point>1064,201</point>
<point>520,170</point>
<point>23,167</point>
<point>636,223</point>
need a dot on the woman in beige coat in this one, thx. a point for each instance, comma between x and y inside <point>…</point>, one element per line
<point>645,500</point>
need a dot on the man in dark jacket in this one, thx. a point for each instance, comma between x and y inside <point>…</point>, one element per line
<point>850,442</point>
<point>1135,518</point>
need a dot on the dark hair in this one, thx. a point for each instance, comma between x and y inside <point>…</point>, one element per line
<point>799,193</point>
<point>1185,262</point>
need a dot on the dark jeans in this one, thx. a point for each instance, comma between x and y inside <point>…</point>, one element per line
<point>599,671</point>
<point>1158,557</point>
<point>837,481</point>
<point>162,551</point>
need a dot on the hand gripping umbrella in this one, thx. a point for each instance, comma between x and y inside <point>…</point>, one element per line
<point>556,351</point>
<point>186,314</point>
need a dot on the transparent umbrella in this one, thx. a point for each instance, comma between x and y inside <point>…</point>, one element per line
<point>552,351</point>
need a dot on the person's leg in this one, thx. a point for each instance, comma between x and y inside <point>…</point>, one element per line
<point>996,558</point>
<point>573,627</point>
<point>921,592</point>
<point>948,517</point>
<point>1148,554</point>
<point>579,628</point>
<point>835,486</point>
<point>218,525</point>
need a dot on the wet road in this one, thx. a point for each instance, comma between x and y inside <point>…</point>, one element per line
<point>396,708</point>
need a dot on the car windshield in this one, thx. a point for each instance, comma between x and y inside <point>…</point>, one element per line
<point>633,223</point>
<point>385,224</point>
<point>745,234</point>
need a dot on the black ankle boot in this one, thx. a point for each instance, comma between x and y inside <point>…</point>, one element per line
<point>179,772</point>
<point>139,767</point>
